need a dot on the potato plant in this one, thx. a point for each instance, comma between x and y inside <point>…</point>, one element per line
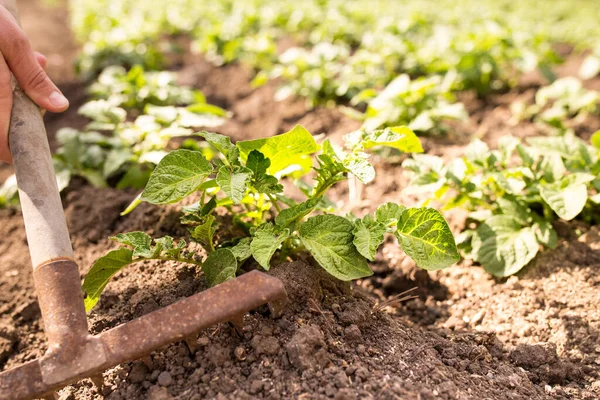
<point>559,102</point>
<point>422,104</point>
<point>514,194</point>
<point>119,148</point>
<point>247,180</point>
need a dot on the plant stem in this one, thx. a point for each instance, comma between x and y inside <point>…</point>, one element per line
<point>178,259</point>
<point>274,202</point>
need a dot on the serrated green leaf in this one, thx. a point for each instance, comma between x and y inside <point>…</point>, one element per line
<point>424,235</point>
<point>285,150</point>
<point>503,246</point>
<point>101,272</point>
<point>266,239</point>
<point>568,196</point>
<point>234,182</point>
<point>389,213</point>
<point>267,184</point>
<point>257,163</point>
<point>289,216</point>
<point>220,266</point>
<point>177,175</point>
<point>329,239</point>
<point>261,181</point>
<point>368,236</point>
<point>166,242</point>
<point>399,137</point>
<point>140,241</point>
<point>223,144</point>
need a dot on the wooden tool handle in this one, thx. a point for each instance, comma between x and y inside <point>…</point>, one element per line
<point>47,232</point>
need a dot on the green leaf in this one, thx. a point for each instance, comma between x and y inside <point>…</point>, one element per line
<point>291,215</point>
<point>261,181</point>
<point>568,196</point>
<point>204,108</point>
<point>424,235</point>
<point>285,150</point>
<point>234,182</point>
<point>177,175</point>
<point>517,209</point>
<point>359,167</point>
<point>241,250</point>
<point>136,177</point>
<point>205,232</point>
<point>399,137</point>
<point>209,206</point>
<point>140,241</point>
<point>257,163</point>
<point>223,144</point>
<point>220,266</point>
<point>368,236</point>
<point>265,241</point>
<point>595,140</point>
<point>545,234</point>
<point>477,152</point>
<point>553,167</point>
<point>167,245</point>
<point>329,239</point>
<point>503,246</point>
<point>115,159</point>
<point>389,213</point>
<point>101,272</point>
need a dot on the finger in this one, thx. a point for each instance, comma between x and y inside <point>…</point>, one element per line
<point>5,109</point>
<point>41,59</point>
<point>21,60</point>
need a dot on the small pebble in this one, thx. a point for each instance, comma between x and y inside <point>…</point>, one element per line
<point>165,379</point>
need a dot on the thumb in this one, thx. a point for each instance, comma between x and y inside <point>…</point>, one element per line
<point>26,68</point>
<point>35,82</point>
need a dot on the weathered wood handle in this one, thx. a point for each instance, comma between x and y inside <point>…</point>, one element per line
<point>47,232</point>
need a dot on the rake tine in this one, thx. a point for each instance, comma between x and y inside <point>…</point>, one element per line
<point>238,323</point>
<point>192,343</point>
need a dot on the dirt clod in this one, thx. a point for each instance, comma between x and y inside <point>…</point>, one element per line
<point>307,349</point>
<point>265,345</point>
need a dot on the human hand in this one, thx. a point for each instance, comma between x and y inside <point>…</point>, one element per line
<point>17,57</point>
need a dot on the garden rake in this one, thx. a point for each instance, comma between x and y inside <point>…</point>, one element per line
<point>73,353</point>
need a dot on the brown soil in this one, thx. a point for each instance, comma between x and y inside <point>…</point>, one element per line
<point>466,336</point>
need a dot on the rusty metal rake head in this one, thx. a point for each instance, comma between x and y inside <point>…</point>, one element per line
<point>72,352</point>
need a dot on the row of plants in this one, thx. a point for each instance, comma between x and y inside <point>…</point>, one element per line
<point>340,50</point>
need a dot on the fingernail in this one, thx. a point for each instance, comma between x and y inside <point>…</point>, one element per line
<point>58,100</point>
